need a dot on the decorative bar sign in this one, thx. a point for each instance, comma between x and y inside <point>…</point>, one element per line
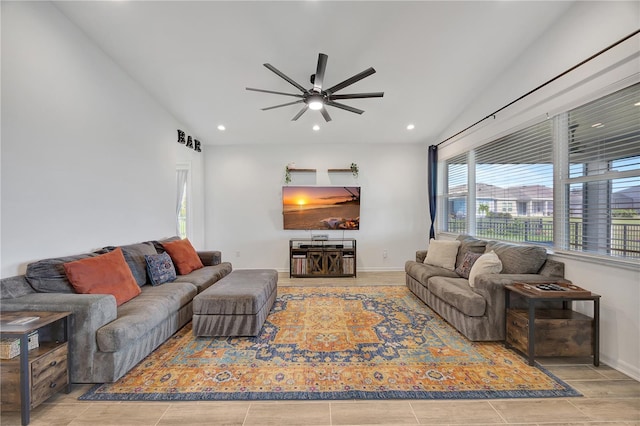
<point>189,143</point>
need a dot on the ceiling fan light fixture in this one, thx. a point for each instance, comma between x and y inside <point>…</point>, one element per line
<point>315,102</point>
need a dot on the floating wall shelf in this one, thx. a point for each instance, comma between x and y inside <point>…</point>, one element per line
<point>302,170</point>
<point>339,170</point>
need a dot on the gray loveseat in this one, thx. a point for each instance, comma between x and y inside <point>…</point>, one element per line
<point>478,312</point>
<point>108,340</point>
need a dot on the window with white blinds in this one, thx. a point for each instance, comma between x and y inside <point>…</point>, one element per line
<point>512,198</point>
<point>505,189</point>
<point>604,176</point>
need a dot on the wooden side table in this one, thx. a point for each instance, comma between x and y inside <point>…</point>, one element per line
<point>552,332</point>
<point>40,372</point>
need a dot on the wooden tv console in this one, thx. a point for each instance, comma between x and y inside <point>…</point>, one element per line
<point>322,258</point>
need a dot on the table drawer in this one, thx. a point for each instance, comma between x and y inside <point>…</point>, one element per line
<point>46,388</point>
<point>49,374</point>
<point>49,365</point>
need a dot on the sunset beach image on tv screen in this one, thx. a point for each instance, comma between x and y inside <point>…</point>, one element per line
<point>321,207</point>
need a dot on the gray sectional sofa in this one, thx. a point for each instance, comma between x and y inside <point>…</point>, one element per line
<point>478,312</point>
<point>107,340</point>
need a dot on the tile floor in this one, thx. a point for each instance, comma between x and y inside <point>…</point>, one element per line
<point>610,398</point>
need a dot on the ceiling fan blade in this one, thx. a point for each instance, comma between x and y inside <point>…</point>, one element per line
<point>302,111</point>
<point>344,107</point>
<point>359,95</point>
<point>351,80</point>
<point>284,77</point>
<point>278,106</point>
<point>325,114</point>
<point>319,76</point>
<point>275,93</point>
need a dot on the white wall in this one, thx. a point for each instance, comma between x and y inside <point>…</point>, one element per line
<point>88,158</point>
<point>586,28</point>
<point>244,200</point>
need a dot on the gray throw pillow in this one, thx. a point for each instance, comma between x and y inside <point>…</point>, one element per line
<point>49,276</point>
<point>134,255</point>
<point>518,259</point>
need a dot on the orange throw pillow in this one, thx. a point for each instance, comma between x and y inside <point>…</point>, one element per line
<point>104,274</point>
<point>184,256</point>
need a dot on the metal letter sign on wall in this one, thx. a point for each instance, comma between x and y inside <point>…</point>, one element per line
<point>189,143</point>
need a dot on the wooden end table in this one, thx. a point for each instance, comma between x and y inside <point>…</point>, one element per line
<point>40,372</point>
<point>552,332</point>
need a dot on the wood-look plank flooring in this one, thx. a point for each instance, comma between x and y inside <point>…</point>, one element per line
<point>610,398</point>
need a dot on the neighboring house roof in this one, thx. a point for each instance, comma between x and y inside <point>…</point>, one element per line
<point>628,198</point>
<point>517,193</point>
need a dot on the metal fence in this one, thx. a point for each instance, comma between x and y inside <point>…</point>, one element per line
<point>623,242</point>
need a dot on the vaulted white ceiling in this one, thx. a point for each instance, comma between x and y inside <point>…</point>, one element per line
<point>432,58</point>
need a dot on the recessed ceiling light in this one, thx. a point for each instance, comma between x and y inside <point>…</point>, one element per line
<point>411,127</point>
<point>316,127</point>
<point>221,128</point>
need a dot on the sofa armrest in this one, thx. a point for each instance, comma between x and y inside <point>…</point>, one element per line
<point>552,269</point>
<point>210,258</point>
<point>421,255</point>
<point>491,287</point>
<point>90,312</point>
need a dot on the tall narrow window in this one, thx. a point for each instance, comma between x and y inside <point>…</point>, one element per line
<point>182,201</point>
<point>604,175</point>
<point>453,205</point>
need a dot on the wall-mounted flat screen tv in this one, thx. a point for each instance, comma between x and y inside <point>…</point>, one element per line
<point>321,207</point>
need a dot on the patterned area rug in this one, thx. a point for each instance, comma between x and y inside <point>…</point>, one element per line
<point>335,343</point>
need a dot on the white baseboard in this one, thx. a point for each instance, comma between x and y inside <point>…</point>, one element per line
<point>632,371</point>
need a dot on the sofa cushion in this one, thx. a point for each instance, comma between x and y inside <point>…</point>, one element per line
<point>104,274</point>
<point>49,276</point>
<point>488,263</point>
<point>465,267</point>
<point>134,255</point>
<point>421,272</point>
<point>442,253</point>
<point>469,244</point>
<point>141,315</point>
<point>12,287</point>
<point>184,256</point>
<point>518,259</point>
<point>204,277</point>
<point>457,293</point>
<point>160,268</point>
<point>158,243</point>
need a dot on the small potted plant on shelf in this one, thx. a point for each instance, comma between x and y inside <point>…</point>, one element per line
<point>354,169</point>
<point>287,174</point>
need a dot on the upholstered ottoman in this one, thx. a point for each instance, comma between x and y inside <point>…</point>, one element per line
<point>237,305</point>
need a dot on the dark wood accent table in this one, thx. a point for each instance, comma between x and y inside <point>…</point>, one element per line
<point>556,327</point>
<point>40,372</point>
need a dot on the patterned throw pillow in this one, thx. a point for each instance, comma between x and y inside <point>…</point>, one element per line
<point>160,268</point>
<point>467,262</point>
